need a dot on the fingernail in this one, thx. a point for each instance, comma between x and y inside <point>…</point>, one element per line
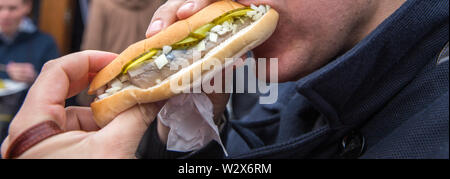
<point>155,27</point>
<point>187,7</point>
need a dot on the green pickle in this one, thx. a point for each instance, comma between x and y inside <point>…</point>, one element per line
<point>194,37</point>
<point>199,34</point>
<point>185,43</point>
<point>229,16</point>
<point>140,60</point>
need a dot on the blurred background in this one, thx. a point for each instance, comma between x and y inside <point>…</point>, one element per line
<point>65,20</point>
<point>33,32</point>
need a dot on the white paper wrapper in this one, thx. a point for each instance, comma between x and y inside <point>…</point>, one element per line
<point>190,118</point>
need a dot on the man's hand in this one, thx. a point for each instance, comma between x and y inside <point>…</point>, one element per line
<point>172,11</point>
<point>167,14</point>
<point>21,72</point>
<point>63,78</point>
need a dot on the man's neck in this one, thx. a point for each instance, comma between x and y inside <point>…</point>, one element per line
<point>384,9</point>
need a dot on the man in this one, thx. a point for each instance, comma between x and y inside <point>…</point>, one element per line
<point>363,79</point>
<point>23,52</point>
<point>369,83</point>
<point>23,48</point>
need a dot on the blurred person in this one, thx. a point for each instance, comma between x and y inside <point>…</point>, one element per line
<point>113,25</point>
<point>23,52</point>
<point>23,48</point>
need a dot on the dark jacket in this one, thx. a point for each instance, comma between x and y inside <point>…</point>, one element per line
<point>36,48</point>
<point>385,98</point>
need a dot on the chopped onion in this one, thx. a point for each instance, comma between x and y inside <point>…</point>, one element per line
<point>216,28</point>
<point>103,96</point>
<point>235,28</point>
<point>161,61</point>
<point>257,16</point>
<point>253,7</point>
<point>222,32</point>
<point>116,84</point>
<point>170,56</point>
<point>213,37</point>
<point>201,46</point>
<point>167,49</point>
<point>258,11</point>
<point>251,13</point>
<point>262,9</point>
<point>113,90</point>
<point>226,25</point>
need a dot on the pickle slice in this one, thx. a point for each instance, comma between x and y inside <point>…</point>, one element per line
<point>185,43</point>
<point>201,32</point>
<point>140,60</point>
<point>229,16</point>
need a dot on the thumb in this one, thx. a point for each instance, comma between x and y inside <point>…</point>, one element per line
<point>126,130</point>
<point>190,7</point>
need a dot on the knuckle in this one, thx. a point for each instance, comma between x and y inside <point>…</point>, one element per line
<point>170,6</point>
<point>49,65</point>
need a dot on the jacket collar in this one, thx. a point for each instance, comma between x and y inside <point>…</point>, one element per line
<point>357,84</point>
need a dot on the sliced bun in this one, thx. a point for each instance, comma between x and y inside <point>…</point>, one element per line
<point>248,38</point>
<point>172,34</point>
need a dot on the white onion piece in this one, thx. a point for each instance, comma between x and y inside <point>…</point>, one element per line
<point>113,90</point>
<point>235,29</point>
<point>253,7</point>
<point>222,32</point>
<point>251,13</point>
<point>167,49</point>
<point>216,28</point>
<point>103,96</point>
<point>201,46</point>
<point>161,61</point>
<point>116,84</point>
<point>257,16</point>
<point>227,25</point>
<point>262,9</point>
<point>213,37</point>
